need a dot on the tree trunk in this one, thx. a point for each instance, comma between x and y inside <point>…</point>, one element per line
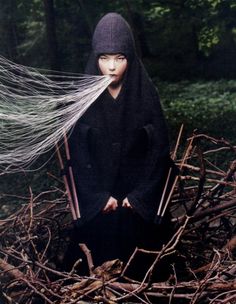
<point>87,17</point>
<point>9,37</point>
<point>51,34</point>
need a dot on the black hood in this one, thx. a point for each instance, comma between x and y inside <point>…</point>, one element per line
<point>113,35</point>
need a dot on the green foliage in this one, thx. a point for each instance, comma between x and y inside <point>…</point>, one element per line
<point>207,106</point>
<point>157,11</point>
<point>208,38</point>
<point>178,39</point>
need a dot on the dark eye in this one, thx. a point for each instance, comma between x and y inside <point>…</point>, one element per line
<point>102,57</point>
<point>121,58</point>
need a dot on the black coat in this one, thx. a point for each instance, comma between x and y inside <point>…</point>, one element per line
<point>120,148</point>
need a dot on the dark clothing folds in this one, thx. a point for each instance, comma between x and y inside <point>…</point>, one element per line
<point>116,235</point>
<point>120,148</point>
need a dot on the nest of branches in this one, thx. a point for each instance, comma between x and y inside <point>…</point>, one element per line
<point>203,206</point>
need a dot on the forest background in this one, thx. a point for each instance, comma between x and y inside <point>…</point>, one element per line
<point>187,46</point>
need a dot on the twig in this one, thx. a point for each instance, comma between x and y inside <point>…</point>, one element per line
<point>70,200</point>
<point>75,197</point>
<point>88,254</point>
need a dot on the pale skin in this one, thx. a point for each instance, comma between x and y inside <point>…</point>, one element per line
<point>114,65</point>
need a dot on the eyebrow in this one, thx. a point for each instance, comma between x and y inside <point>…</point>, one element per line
<point>107,54</point>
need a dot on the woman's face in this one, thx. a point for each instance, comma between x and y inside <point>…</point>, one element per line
<point>114,65</point>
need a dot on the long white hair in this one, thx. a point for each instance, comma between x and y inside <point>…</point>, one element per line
<point>38,108</point>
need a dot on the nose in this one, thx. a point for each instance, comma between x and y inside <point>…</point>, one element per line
<point>112,65</point>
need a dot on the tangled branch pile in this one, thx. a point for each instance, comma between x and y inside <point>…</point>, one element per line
<point>203,247</point>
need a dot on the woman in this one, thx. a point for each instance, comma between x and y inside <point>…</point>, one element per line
<point>119,151</point>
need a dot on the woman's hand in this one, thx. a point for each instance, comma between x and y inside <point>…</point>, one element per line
<point>126,203</point>
<point>111,205</point>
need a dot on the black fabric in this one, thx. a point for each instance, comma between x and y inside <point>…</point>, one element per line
<point>116,235</point>
<point>113,35</point>
<point>120,148</point>
<point>128,134</point>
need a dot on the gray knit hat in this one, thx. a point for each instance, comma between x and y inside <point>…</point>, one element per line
<point>113,35</point>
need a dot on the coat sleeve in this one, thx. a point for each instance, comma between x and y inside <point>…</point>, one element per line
<point>145,197</point>
<point>91,194</point>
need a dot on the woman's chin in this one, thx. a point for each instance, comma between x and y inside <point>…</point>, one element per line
<point>115,83</point>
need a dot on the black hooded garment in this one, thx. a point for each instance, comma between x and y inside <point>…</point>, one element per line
<point>120,148</point>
